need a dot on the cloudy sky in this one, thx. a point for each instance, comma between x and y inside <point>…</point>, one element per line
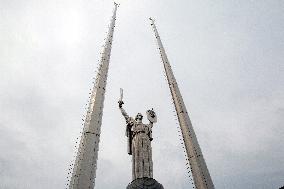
<point>228,60</point>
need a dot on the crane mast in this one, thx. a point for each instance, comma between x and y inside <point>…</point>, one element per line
<point>200,173</point>
<point>84,170</point>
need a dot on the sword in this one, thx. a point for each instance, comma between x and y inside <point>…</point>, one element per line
<point>121,94</point>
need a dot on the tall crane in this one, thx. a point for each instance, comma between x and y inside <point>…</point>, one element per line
<point>84,170</point>
<point>200,173</point>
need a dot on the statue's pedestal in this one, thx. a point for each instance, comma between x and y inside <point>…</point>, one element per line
<point>145,183</point>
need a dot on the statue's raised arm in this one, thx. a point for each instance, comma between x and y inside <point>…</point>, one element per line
<point>129,124</point>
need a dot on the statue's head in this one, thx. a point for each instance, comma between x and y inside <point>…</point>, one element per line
<point>139,117</point>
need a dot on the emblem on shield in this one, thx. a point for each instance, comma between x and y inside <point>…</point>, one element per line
<point>151,116</point>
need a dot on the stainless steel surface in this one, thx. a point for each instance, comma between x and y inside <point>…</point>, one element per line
<point>121,94</point>
<point>151,116</point>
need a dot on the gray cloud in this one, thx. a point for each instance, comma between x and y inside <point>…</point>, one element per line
<point>227,57</point>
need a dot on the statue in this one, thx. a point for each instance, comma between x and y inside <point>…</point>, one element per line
<point>139,142</point>
<point>139,146</point>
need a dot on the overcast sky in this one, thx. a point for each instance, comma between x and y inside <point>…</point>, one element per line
<point>228,60</point>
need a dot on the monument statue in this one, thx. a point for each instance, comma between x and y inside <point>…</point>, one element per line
<point>139,146</point>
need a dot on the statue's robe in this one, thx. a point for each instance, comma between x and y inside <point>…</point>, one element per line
<point>129,134</point>
<point>142,164</point>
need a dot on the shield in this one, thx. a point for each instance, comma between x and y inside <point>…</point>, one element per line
<point>151,116</point>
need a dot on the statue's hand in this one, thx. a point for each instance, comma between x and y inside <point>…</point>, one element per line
<point>120,103</point>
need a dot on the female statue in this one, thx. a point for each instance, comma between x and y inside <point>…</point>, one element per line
<point>139,143</point>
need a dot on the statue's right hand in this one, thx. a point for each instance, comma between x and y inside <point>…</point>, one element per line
<point>120,103</point>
